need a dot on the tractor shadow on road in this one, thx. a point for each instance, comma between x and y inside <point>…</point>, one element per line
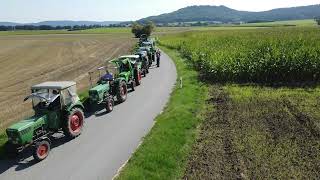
<point>153,67</point>
<point>24,160</point>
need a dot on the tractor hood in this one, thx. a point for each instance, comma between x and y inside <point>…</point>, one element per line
<point>124,74</point>
<point>100,87</point>
<point>23,131</point>
<point>29,122</point>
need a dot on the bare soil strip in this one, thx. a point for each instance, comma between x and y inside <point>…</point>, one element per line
<point>256,137</point>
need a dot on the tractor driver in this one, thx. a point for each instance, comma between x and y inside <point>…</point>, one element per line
<point>125,66</point>
<point>55,104</point>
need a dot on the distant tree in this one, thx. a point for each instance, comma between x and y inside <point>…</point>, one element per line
<point>138,29</point>
<point>317,20</point>
<point>46,27</point>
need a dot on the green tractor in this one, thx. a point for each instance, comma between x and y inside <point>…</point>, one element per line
<point>140,60</point>
<point>57,108</point>
<point>146,38</point>
<point>114,81</point>
<point>128,71</point>
<point>150,53</point>
<point>143,58</point>
<point>148,44</point>
<point>107,88</point>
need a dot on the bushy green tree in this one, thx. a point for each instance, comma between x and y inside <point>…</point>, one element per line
<point>139,29</point>
<point>318,20</point>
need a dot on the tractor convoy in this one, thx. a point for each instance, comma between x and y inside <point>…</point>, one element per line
<point>58,109</point>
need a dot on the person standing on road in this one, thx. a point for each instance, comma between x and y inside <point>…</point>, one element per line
<point>158,53</point>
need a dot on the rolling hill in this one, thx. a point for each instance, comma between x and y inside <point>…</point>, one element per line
<point>225,14</point>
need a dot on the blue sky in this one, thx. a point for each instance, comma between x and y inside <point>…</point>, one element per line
<point>123,10</point>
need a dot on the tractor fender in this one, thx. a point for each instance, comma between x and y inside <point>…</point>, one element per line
<point>77,105</point>
<point>44,138</point>
<point>118,80</point>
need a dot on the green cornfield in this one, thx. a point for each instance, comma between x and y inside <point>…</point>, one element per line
<point>277,55</point>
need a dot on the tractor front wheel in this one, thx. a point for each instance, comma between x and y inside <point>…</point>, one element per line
<point>74,123</point>
<point>41,150</point>
<point>109,104</point>
<point>122,92</point>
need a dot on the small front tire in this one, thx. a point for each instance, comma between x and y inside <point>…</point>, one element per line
<point>109,104</point>
<point>41,150</point>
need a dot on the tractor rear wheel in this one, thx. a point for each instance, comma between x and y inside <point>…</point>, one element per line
<point>74,123</point>
<point>122,92</point>
<point>41,150</point>
<point>109,104</point>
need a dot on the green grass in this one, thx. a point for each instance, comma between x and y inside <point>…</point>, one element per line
<point>164,151</point>
<point>257,132</point>
<point>277,134</point>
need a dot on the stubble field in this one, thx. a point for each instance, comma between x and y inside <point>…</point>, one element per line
<point>26,60</point>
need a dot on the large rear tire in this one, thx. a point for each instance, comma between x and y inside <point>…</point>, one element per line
<point>74,123</point>
<point>122,92</point>
<point>41,150</point>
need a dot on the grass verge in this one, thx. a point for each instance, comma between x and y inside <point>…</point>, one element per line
<point>164,151</point>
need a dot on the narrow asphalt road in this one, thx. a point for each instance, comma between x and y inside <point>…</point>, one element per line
<point>108,140</point>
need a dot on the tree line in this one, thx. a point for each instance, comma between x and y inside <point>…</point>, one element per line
<point>139,29</point>
<point>47,27</point>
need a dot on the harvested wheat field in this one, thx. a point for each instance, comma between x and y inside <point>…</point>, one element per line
<point>26,60</point>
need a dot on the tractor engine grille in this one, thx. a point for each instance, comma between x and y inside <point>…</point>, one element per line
<point>93,95</point>
<point>13,136</point>
<point>25,131</point>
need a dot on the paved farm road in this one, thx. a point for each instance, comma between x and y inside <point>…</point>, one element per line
<point>108,140</point>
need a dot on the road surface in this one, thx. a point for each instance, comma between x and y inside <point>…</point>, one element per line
<point>107,141</point>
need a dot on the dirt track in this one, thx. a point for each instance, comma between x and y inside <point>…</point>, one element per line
<point>27,60</point>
